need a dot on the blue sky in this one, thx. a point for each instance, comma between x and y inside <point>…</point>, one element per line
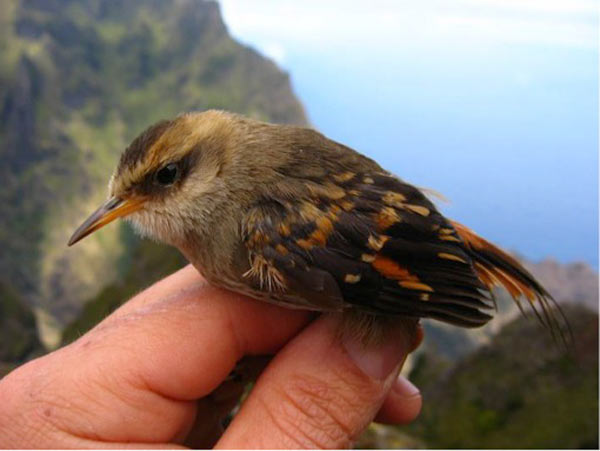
<point>494,103</point>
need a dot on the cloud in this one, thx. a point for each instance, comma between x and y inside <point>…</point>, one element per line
<point>572,23</point>
<point>521,30</point>
<point>274,50</point>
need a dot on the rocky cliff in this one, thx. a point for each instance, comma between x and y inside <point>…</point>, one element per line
<point>78,80</point>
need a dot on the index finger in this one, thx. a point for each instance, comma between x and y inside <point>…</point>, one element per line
<point>185,336</point>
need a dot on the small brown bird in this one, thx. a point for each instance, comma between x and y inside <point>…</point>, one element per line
<point>283,214</point>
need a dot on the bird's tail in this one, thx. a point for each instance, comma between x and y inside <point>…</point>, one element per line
<point>495,267</point>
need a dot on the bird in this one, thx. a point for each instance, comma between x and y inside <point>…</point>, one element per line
<point>285,215</point>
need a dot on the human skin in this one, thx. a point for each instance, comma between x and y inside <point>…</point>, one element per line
<point>151,376</point>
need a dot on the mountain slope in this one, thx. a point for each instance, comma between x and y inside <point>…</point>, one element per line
<point>18,334</point>
<point>520,391</point>
<point>78,81</point>
<point>574,282</point>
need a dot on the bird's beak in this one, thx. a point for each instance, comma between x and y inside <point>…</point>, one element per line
<point>112,209</point>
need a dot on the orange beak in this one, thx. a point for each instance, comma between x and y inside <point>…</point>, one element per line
<point>112,209</point>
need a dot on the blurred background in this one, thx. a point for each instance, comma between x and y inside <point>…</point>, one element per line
<point>493,103</point>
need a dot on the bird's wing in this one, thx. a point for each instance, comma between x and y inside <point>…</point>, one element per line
<point>367,241</point>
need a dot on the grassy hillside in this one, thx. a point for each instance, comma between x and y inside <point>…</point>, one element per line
<point>520,391</point>
<point>78,80</point>
<point>18,333</point>
<point>148,262</point>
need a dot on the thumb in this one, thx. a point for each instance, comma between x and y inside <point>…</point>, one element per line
<point>320,391</point>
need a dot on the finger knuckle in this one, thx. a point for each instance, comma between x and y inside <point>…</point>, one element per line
<point>315,413</point>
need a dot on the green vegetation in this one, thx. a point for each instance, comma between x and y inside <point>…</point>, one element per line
<point>79,80</point>
<point>149,261</point>
<point>18,333</point>
<point>521,391</point>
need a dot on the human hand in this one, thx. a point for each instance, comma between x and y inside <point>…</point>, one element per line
<point>151,375</point>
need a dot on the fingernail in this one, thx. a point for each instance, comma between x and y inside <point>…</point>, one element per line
<point>404,388</point>
<point>377,361</point>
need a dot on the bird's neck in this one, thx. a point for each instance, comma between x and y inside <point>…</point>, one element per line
<point>212,248</point>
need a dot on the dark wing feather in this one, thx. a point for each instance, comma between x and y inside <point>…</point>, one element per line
<point>366,241</point>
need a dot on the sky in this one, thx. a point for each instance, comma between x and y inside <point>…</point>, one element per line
<point>493,103</point>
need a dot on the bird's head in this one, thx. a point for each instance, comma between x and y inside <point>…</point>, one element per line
<point>174,176</point>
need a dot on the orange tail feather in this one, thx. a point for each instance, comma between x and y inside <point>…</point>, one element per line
<point>495,267</point>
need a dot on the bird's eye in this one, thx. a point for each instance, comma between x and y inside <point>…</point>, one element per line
<point>168,174</point>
